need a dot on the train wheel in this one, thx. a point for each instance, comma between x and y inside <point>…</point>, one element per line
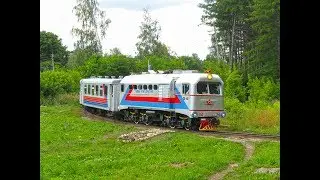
<point>172,124</point>
<point>187,126</point>
<point>126,115</point>
<point>147,120</point>
<point>135,119</point>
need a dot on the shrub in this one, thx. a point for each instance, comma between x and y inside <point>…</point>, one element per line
<point>263,89</point>
<point>53,83</point>
<point>234,88</point>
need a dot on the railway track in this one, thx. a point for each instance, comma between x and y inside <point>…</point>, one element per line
<point>241,135</point>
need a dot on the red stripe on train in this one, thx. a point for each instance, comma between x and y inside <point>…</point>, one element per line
<point>95,99</point>
<point>174,100</point>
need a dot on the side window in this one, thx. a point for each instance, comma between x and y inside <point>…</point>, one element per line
<point>105,90</point>
<point>150,87</point>
<point>139,86</point>
<point>144,86</point>
<point>185,88</point>
<point>97,90</point>
<point>155,87</point>
<point>134,86</point>
<point>122,88</point>
<point>130,86</point>
<point>85,89</point>
<point>101,89</point>
<point>92,90</point>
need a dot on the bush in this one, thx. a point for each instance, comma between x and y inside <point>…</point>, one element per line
<point>53,83</point>
<point>259,116</point>
<point>263,89</point>
<point>234,88</point>
<point>114,65</point>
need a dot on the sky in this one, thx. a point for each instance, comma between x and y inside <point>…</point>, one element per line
<point>180,22</point>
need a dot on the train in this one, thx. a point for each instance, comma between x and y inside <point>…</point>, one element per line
<point>176,99</point>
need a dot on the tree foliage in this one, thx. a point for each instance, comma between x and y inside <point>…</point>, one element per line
<point>149,43</point>
<point>245,34</point>
<point>113,65</point>
<point>53,83</point>
<point>93,25</point>
<point>115,51</point>
<point>264,54</point>
<point>51,44</point>
<point>263,89</point>
<point>78,57</point>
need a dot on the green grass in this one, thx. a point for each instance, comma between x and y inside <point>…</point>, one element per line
<point>267,155</point>
<point>72,147</point>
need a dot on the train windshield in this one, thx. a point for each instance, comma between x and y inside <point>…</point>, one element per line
<point>209,87</point>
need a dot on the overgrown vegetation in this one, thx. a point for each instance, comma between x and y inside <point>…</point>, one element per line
<point>72,147</point>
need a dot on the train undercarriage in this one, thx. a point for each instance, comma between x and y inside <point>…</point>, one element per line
<point>160,118</point>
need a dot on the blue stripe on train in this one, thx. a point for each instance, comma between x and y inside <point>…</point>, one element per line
<point>95,103</point>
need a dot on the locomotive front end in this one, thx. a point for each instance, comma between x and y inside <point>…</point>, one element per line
<point>208,102</point>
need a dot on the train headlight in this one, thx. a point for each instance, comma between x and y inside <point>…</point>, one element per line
<point>223,114</point>
<point>194,115</point>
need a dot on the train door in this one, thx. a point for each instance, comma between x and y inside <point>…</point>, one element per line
<point>172,92</point>
<point>114,95</point>
<point>81,92</point>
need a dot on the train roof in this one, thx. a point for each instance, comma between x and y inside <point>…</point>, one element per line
<point>166,78</point>
<point>100,80</point>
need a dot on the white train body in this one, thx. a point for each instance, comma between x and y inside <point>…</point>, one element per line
<point>184,98</point>
<point>173,92</point>
<point>100,93</point>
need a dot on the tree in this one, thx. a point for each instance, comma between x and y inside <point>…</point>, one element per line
<point>192,62</point>
<point>264,56</point>
<point>78,57</point>
<point>115,51</point>
<point>51,44</point>
<point>246,34</point>
<point>149,43</point>
<point>232,31</point>
<point>93,26</point>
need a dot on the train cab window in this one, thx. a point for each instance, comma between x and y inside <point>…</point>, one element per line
<point>85,89</point>
<point>209,88</point>
<point>214,87</point>
<point>150,87</point>
<point>155,87</point>
<point>202,88</point>
<point>144,86</point>
<point>122,87</point>
<point>100,90</point>
<point>97,90</point>
<point>185,88</point>
<point>134,86</point>
<point>130,86</point>
<point>105,90</point>
<point>139,86</point>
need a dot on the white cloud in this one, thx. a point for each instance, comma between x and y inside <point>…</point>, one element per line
<point>179,24</point>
